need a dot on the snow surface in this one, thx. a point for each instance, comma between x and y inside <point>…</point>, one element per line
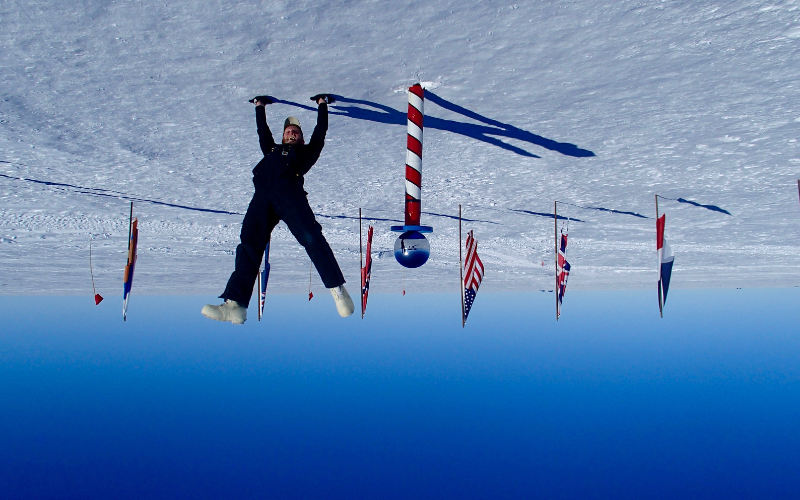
<point>596,103</point>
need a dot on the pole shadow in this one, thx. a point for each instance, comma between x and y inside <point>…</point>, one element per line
<point>543,214</point>
<point>620,212</point>
<point>455,217</point>
<point>603,209</point>
<point>351,217</point>
<point>488,131</point>
<point>117,195</point>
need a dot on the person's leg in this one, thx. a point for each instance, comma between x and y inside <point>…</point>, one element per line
<point>293,208</point>
<point>255,233</point>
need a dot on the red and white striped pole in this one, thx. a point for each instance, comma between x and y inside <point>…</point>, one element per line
<point>411,248</point>
<point>416,112</point>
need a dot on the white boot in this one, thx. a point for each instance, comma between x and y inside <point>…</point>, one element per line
<point>228,311</point>
<point>344,304</point>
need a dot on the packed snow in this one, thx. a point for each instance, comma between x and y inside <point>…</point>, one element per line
<point>600,105</point>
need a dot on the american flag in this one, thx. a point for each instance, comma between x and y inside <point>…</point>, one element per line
<point>562,272</point>
<point>366,273</point>
<point>473,274</point>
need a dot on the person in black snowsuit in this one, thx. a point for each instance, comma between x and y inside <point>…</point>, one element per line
<point>279,195</point>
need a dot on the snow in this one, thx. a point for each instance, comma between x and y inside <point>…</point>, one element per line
<point>598,104</point>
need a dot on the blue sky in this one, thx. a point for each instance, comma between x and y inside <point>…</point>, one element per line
<point>611,401</point>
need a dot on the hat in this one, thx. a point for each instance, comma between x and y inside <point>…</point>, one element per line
<point>292,120</point>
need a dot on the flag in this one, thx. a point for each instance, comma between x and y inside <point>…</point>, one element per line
<point>263,282</point>
<point>562,272</point>
<point>129,267</point>
<point>473,274</point>
<point>97,297</point>
<point>366,273</point>
<point>310,293</point>
<point>665,261</point>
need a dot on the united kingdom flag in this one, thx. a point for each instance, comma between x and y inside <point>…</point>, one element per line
<point>473,274</point>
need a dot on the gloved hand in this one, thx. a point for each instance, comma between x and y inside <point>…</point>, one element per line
<point>262,99</point>
<point>327,98</point>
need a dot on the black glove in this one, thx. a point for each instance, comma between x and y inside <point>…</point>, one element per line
<point>263,98</point>
<point>328,98</point>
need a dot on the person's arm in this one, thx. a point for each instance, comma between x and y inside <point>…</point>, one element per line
<point>318,137</point>
<point>317,141</point>
<point>265,139</point>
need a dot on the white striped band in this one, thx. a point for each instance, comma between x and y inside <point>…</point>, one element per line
<point>414,100</point>
<point>413,190</point>
<point>414,131</point>
<point>414,161</point>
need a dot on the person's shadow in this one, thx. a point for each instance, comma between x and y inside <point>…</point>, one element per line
<point>489,133</point>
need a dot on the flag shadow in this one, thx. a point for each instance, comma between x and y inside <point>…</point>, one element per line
<point>713,208</point>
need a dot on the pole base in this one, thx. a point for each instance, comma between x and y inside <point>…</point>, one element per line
<point>419,229</point>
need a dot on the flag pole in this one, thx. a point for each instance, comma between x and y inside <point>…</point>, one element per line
<point>555,226</point>
<point>130,232</point>
<point>658,285</point>
<point>460,267</point>
<point>130,226</point>
<point>310,265</point>
<point>91,272</point>
<point>361,262</point>
<point>258,291</point>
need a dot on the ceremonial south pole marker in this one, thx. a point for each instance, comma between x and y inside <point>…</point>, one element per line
<point>412,248</point>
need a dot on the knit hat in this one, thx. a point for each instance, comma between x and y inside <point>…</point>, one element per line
<point>292,120</point>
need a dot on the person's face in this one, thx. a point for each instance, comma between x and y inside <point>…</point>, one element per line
<point>292,135</point>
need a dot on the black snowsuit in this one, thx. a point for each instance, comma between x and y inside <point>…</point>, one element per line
<point>279,195</point>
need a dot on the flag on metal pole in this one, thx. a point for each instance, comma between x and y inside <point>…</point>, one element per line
<point>366,273</point>
<point>264,278</point>
<point>562,272</point>
<point>665,261</point>
<point>310,293</point>
<point>133,239</point>
<point>460,269</point>
<point>473,274</point>
<point>97,297</point>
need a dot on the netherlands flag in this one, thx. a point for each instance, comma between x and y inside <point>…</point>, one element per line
<point>665,261</point>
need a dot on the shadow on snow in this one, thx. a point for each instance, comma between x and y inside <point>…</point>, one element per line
<point>488,132</point>
<point>117,195</point>
<point>543,214</point>
<point>713,208</point>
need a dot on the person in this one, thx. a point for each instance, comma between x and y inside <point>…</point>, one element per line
<point>279,195</point>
